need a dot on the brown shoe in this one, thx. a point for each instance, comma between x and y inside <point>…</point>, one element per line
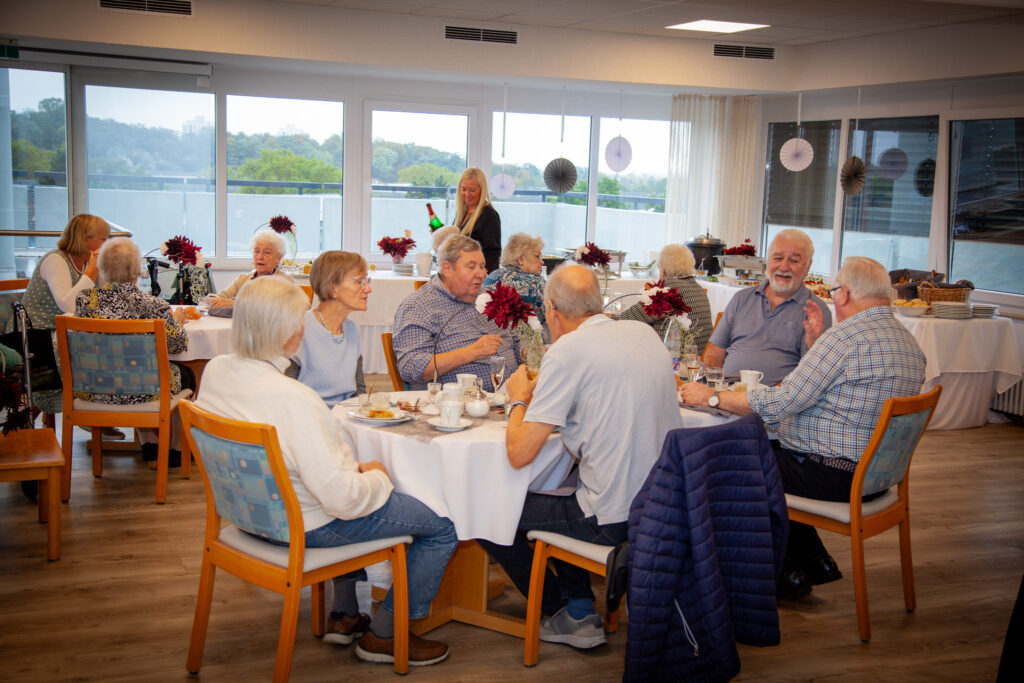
<point>422,652</point>
<point>345,630</point>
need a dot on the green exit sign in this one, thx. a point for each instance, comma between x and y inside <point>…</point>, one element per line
<point>8,48</point>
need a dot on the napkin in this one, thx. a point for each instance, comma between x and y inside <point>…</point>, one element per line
<point>222,311</point>
<point>706,409</point>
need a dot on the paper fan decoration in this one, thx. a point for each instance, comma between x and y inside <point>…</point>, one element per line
<point>852,176</point>
<point>502,186</point>
<point>796,154</point>
<point>560,175</point>
<point>618,154</point>
<point>893,163</point>
<point>924,178</point>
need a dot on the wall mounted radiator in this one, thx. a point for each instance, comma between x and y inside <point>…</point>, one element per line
<point>1010,401</point>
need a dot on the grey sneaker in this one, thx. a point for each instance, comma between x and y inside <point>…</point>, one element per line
<point>582,634</point>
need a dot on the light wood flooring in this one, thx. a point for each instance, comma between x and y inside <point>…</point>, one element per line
<point>118,606</point>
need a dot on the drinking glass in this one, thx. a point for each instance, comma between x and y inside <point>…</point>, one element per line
<point>433,389</point>
<point>497,364</point>
<point>364,404</point>
<point>715,376</point>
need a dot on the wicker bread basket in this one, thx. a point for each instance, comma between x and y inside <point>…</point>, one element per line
<point>929,292</point>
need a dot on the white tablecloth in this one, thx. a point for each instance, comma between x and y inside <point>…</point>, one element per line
<point>465,476</point>
<point>207,337</point>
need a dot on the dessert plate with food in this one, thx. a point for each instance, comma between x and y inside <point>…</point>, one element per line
<point>384,417</point>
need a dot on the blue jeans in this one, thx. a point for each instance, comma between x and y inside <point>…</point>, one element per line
<point>561,515</point>
<point>433,542</point>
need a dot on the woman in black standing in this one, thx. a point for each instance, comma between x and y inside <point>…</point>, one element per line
<point>476,218</point>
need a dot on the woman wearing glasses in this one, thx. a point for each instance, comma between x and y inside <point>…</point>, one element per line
<point>330,358</point>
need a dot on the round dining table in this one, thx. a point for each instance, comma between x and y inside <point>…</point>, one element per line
<point>466,477</point>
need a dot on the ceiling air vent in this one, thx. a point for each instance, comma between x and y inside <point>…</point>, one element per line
<point>744,51</point>
<point>481,35</point>
<point>178,7</point>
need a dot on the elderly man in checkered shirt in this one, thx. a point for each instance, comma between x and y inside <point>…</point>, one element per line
<point>439,332</point>
<point>827,408</point>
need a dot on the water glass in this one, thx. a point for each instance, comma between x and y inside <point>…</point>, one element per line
<point>364,404</point>
<point>433,389</point>
<point>715,377</point>
<point>204,304</point>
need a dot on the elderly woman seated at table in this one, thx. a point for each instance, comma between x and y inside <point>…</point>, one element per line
<point>342,501</point>
<point>330,357</point>
<point>120,298</point>
<point>675,267</point>
<point>267,251</point>
<point>520,269</point>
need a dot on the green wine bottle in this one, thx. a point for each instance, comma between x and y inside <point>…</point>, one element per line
<point>435,222</point>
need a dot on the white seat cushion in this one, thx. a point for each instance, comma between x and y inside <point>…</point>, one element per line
<point>147,407</point>
<point>315,558</point>
<point>591,551</point>
<point>840,511</point>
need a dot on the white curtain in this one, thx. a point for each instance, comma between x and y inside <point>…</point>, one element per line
<point>713,168</point>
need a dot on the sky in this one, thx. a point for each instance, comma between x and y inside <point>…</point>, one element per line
<point>529,138</point>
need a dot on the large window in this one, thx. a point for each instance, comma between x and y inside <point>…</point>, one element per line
<point>803,199</point>
<point>889,220</point>
<point>986,200</point>
<point>531,141</point>
<point>285,157</point>
<point>416,157</point>
<point>150,156</point>
<point>631,203</point>
<point>34,188</point>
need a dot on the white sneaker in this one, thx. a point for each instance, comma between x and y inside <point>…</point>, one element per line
<point>582,634</point>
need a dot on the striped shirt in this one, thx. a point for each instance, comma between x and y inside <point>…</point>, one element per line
<point>829,405</point>
<point>432,315</point>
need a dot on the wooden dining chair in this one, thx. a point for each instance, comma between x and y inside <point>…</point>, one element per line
<point>717,319</point>
<point>34,455</point>
<point>884,466</point>
<point>419,283</point>
<point>247,485</point>
<point>392,360</point>
<point>110,357</point>
<point>308,289</point>
<point>547,545</point>
<point>11,291</point>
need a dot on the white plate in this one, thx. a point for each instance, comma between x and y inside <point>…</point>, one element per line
<point>400,417</point>
<point>495,400</point>
<point>463,423</point>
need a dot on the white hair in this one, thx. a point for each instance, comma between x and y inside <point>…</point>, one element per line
<point>676,260</point>
<point>268,312</point>
<point>119,260</point>
<point>798,236</point>
<point>574,291</point>
<point>864,278</point>
<point>270,237</point>
<point>520,245</point>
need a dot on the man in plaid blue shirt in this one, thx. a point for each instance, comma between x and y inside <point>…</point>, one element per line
<point>827,408</point>
<point>439,323</point>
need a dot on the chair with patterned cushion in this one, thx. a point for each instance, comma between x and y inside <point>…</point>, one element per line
<point>884,466</point>
<point>247,484</point>
<point>109,357</point>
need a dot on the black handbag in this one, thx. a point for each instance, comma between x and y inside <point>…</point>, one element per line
<point>40,361</point>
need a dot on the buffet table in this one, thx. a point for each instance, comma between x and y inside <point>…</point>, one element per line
<point>466,477</point>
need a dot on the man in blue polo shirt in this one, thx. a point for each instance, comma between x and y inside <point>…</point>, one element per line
<point>771,326</point>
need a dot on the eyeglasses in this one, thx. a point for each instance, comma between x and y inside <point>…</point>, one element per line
<point>361,281</point>
<point>835,288</point>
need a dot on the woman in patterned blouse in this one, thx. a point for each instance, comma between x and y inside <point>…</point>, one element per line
<point>520,268</point>
<point>120,298</point>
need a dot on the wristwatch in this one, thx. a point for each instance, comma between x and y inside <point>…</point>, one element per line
<point>713,400</point>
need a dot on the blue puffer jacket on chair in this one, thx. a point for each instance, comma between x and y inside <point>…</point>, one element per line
<point>707,536</point>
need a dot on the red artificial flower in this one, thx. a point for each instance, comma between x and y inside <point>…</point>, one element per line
<point>506,308</point>
<point>396,246</point>
<point>592,255</point>
<point>181,249</point>
<point>16,414</point>
<point>660,301</point>
<point>745,249</point>
<point>281,225</point>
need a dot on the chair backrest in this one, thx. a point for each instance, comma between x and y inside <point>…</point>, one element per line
<point>10,291</point>
<point>244,475</point>
<point>308,289</point>
<point>718,319</point>
<point>901,425</point>
<point>113,357</point>
<point>392,360</point>
<point>419,283</point>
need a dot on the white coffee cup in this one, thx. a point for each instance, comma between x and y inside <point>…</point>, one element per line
<point>451,411</point>
<point>452,391</point>
<point>467,380</point>
<point>750,378</point>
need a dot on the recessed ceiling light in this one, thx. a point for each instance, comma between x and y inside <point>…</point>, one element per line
<point>716,26</point>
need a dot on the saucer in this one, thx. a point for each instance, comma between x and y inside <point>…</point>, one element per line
<point>463,423</point>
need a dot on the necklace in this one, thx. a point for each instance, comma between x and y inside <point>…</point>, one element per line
<point>338,336</point>
<point>71,260</point>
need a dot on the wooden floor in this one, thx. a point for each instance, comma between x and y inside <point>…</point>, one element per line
<point>119,605</point>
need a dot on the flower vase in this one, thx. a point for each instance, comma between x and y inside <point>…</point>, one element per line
<point>531,346</point>
<point>395,258</point>
<point>293,245</point>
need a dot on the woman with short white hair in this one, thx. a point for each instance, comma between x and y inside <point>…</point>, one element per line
<point>675,267</point>
<point>342,501</point>
<point>267,249</point>
<point>521,266</point>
